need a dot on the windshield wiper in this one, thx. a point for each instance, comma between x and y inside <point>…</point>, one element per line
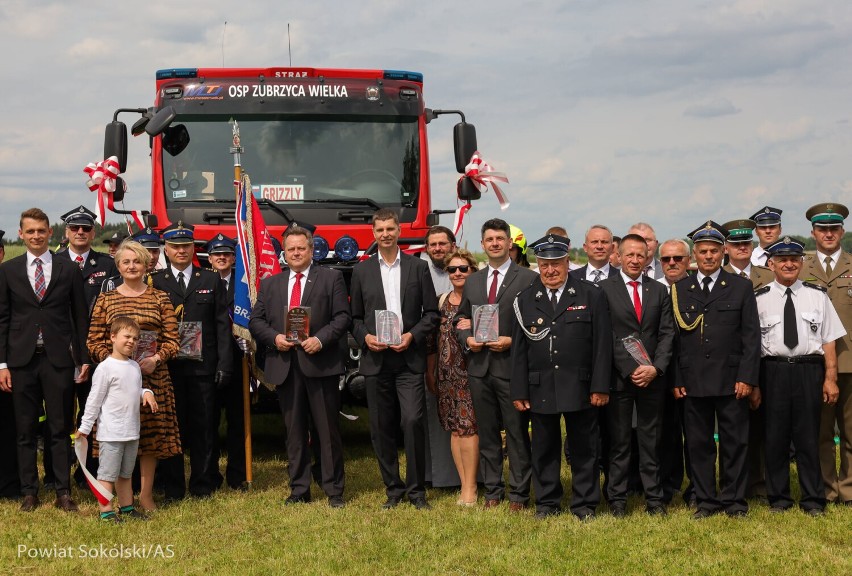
<point>348,201</point>
<point>283,212</point>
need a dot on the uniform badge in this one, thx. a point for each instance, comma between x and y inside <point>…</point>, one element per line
<point>540,320</point>
<point>92,262</point>
<point>692,287</point>
<point>538,296</point>
<point>571,291</point>
<point>814,327</point>
<point>198,274</point>
<point>533,330</point>
<point>849,292</point>
<point>723,282</point>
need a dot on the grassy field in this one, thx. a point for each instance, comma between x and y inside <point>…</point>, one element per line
<point>254,533</point>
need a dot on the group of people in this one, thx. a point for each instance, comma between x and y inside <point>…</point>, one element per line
<point>642,360</point>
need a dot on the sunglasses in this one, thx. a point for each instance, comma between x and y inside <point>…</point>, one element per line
<point>77,228</point>
<point>670,258</point>
<point>464,268</point>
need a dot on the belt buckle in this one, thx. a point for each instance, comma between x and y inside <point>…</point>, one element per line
<point>791,360</point>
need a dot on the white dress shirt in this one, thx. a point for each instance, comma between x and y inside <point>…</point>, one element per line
<point>46,267</point>
<point>627,279</point>
<point>590,272</point>
<point>292,282</point>
<point>391,278</point>
<point>699,277</point>
<point>501,275</point>
<point>835,258</point>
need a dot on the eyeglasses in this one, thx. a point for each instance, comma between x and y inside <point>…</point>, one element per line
<point>77,228</point>
<point>677,259</point>
<point>464,268</point>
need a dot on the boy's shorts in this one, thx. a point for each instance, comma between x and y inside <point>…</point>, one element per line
<point>117,459</point>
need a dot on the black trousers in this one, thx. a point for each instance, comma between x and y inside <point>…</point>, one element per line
<point>396,383</point>
<point>230,399</point>
<point>757,453</point>
<point>581,434</point>
<point>10,481</point>
<point>198,420</point>
<point>494,411</point>
<point>701,414</point>
<point>674,459</point>
<point>649,431</point>
<point>792,397</point>
<point>39,381</point>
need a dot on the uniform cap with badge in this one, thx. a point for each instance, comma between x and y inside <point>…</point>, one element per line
<point>80,216</point>
<point>827,214</point>
<point>710,231</point>
<point>767,216</point>
<point>221,244</point>
<point>148,237</point>
<point>179,233</point>
<point>116,239</point>
<point>739,231</point>
<point>786,247</point>
<point>550,247</point>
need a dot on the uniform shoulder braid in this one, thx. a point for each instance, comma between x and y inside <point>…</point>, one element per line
<point>761,290</point>
<point>815,286</point>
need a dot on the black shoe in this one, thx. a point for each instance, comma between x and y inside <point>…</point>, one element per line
<point>814,512</point>
<point>304,499</point>
<point>618,510</point>
<point>391,502</point>
<point>420,503</point>
<point>691,502</point>
<point>702,513</point>
<point>241,487</point>
<point>29,503</point>
<point>336,501</point>
<point>547,513</point>
<point>135,514</point>
<point>777,509</point>
<point>659,510</point>
<point>736,513</point>
<point>586,516</point>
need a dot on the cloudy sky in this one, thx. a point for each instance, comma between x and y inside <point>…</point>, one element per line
<point>604,111</point>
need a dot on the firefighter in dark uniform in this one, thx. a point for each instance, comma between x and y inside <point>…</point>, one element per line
<point>95,267</point>
<point>114,241</point>
<point>221,252</point>
<point>798,376</point>
<point>562,361</point>
<point>201,305</point>
<point>718,365</point>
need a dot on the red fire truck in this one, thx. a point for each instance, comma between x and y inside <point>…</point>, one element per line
<point>326,147</point>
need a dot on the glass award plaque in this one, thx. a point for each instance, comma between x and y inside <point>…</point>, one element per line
<point>388,328</point>
<point>297,323</point>
<point>190,341</point>
<point>636,349</point>
<point>146,347</point>
<point>486,323</point>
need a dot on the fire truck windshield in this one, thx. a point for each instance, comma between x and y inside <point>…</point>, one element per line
<point>297,159</point>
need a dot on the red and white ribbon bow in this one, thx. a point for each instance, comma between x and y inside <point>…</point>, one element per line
<point>103,181</point>
<point>481,173</point>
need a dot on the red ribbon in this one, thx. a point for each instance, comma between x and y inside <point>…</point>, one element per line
<point>482,174</point>
<point>103,181</point>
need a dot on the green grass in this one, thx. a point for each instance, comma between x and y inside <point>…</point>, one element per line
<point>254,533</point>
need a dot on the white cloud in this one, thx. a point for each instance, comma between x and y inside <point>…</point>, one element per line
<point>785,132</point>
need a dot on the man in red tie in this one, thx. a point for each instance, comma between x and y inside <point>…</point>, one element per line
<point>639,307</point>
<point>489,368</point>
<point>306,366</point>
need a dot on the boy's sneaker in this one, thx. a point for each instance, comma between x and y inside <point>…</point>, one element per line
<point>111,518</point>
<point>134,514</point>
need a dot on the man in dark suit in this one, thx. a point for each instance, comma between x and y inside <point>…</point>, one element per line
<point>306,367</point>
<point>2,247</point>
<point>10,483</point>
<point>392,281</point>
<point>561,365</point>
<point>43,327</point>
<point>598,247</point>
<point>489,369</point>
<point>640,307</point>
<point>718,357</point>
<point>201,305</point>
<point>95,267</point>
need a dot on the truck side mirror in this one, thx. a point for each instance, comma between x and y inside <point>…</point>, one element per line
<point>464,143</point>
<point>115,142</point>
<point>120,187</point>
<point>160,121</point>
<point>467,190</point>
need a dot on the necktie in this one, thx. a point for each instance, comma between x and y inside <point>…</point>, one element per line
<point>648,271</point>
<point>743,274</point>
<point>181,283</point>
<point>296,294</point>
<point>706,282</point>
<point>40,285</point>
<point>596,276</point>
<point>79,261</point>
<point>828,268</point>
<point>492,291</point>
<point>553,300</point>
<point>637,302</point>
<point>791,332</point>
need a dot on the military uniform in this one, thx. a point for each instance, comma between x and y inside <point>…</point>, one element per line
<point>766,216</point>
<point>560,356</point>
<point>791,382</point>
<point>838,284</point>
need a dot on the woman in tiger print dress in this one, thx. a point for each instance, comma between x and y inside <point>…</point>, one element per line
<point>159,437</point>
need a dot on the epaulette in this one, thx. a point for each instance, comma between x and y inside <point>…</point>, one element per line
<point>815,286</point>
<point>759,267</point>
<point>762,290</point>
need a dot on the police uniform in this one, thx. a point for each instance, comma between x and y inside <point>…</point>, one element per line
<point>195,382</point>
<point>791,381</point>
<point>838,485</point>
<point>718,346</point>
<point>148,238</point>
<point>230,397</point>
<point>766,216</point>
<point>560,356</point>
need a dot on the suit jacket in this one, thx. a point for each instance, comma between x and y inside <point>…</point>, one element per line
<point>658,269</point>
<point>61,315</point>
<point>475,294</point>
<point>580,273</point>
<point>839,288</point>
<point>325,293</point>
<point>418,303</point>
<point>656,330</point>
<point>97,268</point>
<point>207,302</point>
<point>760,276</point>
<point>559,372</point>
<point>727,349</point>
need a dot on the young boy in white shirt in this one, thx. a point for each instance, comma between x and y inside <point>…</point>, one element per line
<point>114,403</point>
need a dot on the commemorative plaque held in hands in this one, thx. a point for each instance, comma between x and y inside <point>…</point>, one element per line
<point>636,349</point>
<point>486,323</point>
<point>388,328</point>
<point>297,323</point>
